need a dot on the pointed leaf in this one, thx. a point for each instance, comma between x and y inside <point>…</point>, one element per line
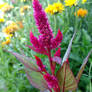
<point>69,48</point>
<point>37,80</point>
<point>28,62</point>
<point>83,66</point>
<point>33,74</point>
<point>66,78</point>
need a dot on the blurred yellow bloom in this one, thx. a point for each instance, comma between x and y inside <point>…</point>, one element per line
<point>6,42</point>
<point>23,0</point>
<point>5,7</point>
<point>11,28</point>
<point>70,2</point>
<point>55,8</point>
<point>23,9</point>
<point>84,1</point>
<point>1,19</point>
<point>49,9</point>
<point>2,5</point>
<point>82,12</point>
<point>20,24</point>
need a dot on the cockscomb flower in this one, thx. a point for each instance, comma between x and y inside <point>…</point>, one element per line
<point>54,8</point>
<point>45,40</point>
<point>52,82</point>
<point>58,52</point>
<point>70,2</point>
<point>40,64</point>
<point>55,42</point>
<point>42,24</point>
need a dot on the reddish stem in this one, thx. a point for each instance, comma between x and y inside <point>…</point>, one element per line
<point>50,90</point>
<point>50,60</point>
<point>64,80</point>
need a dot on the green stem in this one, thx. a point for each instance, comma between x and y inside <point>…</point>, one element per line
<point>55,25</point>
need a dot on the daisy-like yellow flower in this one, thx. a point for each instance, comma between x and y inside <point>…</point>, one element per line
<point>54,8</point>
<point>2,5</point>
<point>49,9</point>
<point>6,42</point>
<point>2,20</point>
<point>23,9</point>
<point>5,7</point>
<point>84,1</point>
<point>11,28</point>
<point>82,12</point>
<point>70,2</point>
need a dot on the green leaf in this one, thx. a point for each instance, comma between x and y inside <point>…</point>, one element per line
<point>28,62</point>
<point>37,80</point>
<point>83,66</point>
<point>86,37</point>
<point>66,78</point>
<point>33,74</point>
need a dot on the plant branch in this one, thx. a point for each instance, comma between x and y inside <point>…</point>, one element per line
<point>50,60</point>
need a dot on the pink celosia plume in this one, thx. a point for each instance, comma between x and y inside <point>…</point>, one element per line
<point>55,42</point>
<point>42,24</point>
<point>40,64</point>
<point>58,52</point>
<point>46,40</point>
<point>52,82</point>
<point>34,40</point>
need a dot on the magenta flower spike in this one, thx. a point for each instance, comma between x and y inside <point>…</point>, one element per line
<point>40,64</point>
<point>34,40</point>
<point>55,42</point>
<point>52,82</point>
<point>46,37</point>
<point>45,42</point>
<point>58,52</point>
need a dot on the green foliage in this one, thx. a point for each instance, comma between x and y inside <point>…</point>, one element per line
<point>12,74</point>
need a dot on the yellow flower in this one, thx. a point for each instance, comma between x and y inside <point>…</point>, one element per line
<point>11,28</point>
<point>82,12</point>
<point>23,0</point>
<point>1,19</point>
<point>20,24</point>
<point>84,1</point>
<point>5,7</point>
<point>55,8</point>
<point>6,42</point>
<point>2,5</point>
<point>70,2</point>
<point>49,9</point>
<point>23,9</point>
